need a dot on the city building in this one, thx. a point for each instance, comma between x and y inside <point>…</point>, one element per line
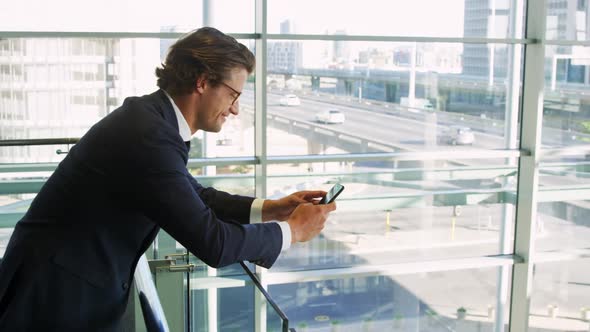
<point>56,88</point>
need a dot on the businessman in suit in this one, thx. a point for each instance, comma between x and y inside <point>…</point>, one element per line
<point>71,258</point>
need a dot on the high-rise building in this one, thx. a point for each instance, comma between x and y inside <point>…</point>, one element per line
<point>60,87</point>
<point>485,19</point>
<point>341,52</point>
<point>285,56</point>
<point>566,19</point>
<point>569,20</point>
<point>288,27</point>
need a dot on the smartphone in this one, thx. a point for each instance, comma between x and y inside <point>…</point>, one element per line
<point>332,194</point>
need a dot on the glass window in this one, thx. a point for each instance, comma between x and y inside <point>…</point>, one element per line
<point>57,89</point>
<point>28,154</point>
<point>109,15</point>
<point>559,297</point>
<point>236,138</point>
<point>125,16</point>
<point>232,16</point>
<point>568,20</point>
<point>465,300</point>
<point>235,179</point>
<point>235,309</point>
<point>357,97</point>
<point>395,213</point>
<point>566,108</point>
<point>564,203</point>
<point>471,18</point>
<point>562,238</point>
<point>562,225</point>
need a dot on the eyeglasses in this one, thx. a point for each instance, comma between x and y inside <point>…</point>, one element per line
<point>238,93</point>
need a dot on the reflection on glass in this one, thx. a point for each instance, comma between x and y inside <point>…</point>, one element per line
<point>562,225</point>
<point>274,323</point>
<point>387,216</point>
<point>358,97</point>
<point>234,179</point>
<point>566,108</point>
<point>224,300</point>
<point>559,298</point>
<point>222,309</point>
<point>439,301</point>
<point>561,230</point>
<point>562,218</point>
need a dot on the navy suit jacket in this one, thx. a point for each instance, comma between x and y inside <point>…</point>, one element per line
<point>71,258</point>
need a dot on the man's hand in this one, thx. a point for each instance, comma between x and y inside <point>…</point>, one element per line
<point>307,220</point>
<point>281,209</point>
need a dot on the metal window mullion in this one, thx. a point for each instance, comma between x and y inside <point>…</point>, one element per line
<point>260,151</point>
<point>526,207</point>
<point>414,155</point>
<point>404,39</point>
<point>208,20</point>
<point>117,35</point>
<point>260,100</point>
<point>511,142</point>
<point>208,13</point>
<point>585,43</point>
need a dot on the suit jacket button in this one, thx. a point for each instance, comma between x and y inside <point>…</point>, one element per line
<point>125,286</point>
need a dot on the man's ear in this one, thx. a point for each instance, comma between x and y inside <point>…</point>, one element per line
<point>201,83</point>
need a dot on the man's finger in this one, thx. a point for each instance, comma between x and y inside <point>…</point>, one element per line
<point>313,194</point>
<point>331,207</point>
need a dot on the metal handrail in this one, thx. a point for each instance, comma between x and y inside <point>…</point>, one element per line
<point>268,298</point>
<point>39,141</point>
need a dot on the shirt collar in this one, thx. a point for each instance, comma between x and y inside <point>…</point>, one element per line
<point>183,128</point>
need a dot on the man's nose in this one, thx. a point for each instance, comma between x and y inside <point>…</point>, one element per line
<point>235,108</point>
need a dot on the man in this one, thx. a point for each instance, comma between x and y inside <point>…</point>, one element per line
<point>70,260</point>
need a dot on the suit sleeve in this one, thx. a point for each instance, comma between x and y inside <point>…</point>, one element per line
<point>172,202</point>
<point>166,195</point>
<point>226,206</point>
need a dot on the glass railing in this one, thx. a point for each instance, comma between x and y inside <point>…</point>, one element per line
<point>461,300</point>
<point>276,319</point>
<point>196,297</point>
<point>423,210</point>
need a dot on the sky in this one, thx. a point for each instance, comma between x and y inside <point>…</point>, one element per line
<point>434,18</point>
<point>380,17</point>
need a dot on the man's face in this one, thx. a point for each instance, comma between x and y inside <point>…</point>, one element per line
<point>220,101</point>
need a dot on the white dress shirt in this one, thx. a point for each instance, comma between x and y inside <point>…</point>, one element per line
<point>256,209</point>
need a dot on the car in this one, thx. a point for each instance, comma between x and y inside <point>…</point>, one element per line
<point>330,116</point>
<point>457,135</point>
<point>290,100</point>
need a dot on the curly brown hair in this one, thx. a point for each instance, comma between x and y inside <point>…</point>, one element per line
<point>204,51</point>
